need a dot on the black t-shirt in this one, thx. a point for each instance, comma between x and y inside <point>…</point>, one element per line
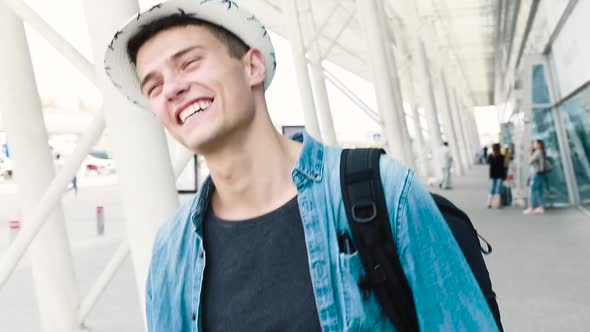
<point>497,170</point>
<point>257,274</point>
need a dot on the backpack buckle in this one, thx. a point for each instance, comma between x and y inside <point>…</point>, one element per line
<point>364,211</point>
<point>378,275</point>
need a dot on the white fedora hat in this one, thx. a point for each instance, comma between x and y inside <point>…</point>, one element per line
<point>225,13</point>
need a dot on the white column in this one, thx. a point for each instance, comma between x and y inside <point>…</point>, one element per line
<point>298,51</point>
<point>321,97</point>
<point>430,110</point>
<point>53,272</point>
<point>464,129</point>
<point>387,91</point>
<point>471,131</point>
<point>469,128</point>
<point>421,149</point>
<point>459,128</point>
<point>451,131</point>
<point>146,180</point>
<point>387,40</point>
<point>475,131</point>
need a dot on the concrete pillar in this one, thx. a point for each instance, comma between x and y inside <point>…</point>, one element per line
<point>475,131</point>
<point>451,130</point>
<point>470,129</point>
<point>387,91</point>
<point>464,126</point>
<point>421,161</point>
<point>460,128</point>
<point>434,133</point>
<point>52,268</point>
<point>146,181</point>
<point>320,92</point>
<point>324,113</point>
<point>387,39</point>
<point>407,76</point>
<point>298,51</point>
<point>472,134</point>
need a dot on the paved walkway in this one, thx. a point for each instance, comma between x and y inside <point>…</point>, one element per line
<point>118,309</point>
<point>539,266</point>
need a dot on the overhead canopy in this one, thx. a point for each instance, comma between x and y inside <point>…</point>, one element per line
<point>460,36</point>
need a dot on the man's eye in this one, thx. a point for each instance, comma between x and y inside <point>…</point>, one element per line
<point>191,62</point>
<point>153,90</point>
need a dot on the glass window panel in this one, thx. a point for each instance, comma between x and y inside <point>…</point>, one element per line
<point>543,127</point>
<point>540,88</point>
<point>576,118</point>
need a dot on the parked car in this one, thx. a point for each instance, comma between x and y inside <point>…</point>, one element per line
<point>98,166</point>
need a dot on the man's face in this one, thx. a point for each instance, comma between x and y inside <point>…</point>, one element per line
<point>198,91</point>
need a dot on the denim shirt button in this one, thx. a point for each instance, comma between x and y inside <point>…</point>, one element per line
<point>319,268</point>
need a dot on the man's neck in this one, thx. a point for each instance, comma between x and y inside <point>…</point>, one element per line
<point>252,175</point>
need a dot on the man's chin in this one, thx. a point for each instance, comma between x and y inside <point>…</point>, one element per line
<point>200,145</point>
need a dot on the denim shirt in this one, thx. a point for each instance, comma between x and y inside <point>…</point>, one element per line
<point>446,294</point>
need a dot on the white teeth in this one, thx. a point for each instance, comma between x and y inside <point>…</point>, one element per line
<point>203,104</point>
<point>186,113</point>
<point>193,108</point>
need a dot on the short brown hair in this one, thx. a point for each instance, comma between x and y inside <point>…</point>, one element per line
<point>235,46</point>
<point>496,149</point>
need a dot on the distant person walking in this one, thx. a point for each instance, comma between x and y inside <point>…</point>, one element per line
<point>484,156</point>
<point>539,166</point>
<point>446,163</point>
<point>59,163</point>
<point>496,160</point>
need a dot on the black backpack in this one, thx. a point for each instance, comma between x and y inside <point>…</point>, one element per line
<point>364,201</point>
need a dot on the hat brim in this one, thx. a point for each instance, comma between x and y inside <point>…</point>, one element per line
<point>224,13</point>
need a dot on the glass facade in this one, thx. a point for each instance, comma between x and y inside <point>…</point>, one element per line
<point>506,130</point>
<point>576,119</point>
<point>540,88</point>
<point>543,127</point>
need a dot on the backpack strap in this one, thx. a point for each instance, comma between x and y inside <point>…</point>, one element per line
<point>364,202</point>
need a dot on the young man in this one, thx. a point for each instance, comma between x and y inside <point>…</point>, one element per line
<point>257,249</point>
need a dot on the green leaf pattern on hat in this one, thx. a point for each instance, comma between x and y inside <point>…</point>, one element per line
<point>229,3</point>
<point>274,60</point>
<point>253,18</point>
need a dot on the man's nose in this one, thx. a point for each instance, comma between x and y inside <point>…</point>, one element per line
<point>175,88</point>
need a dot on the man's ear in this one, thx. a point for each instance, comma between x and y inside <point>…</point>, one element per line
<point>256,67</point>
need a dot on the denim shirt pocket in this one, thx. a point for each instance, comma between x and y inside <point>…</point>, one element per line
<point>360,314</point>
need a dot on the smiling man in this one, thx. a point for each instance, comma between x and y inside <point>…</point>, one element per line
<point>257,248</point>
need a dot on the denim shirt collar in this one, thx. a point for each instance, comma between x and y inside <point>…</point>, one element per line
<point>309,167</point>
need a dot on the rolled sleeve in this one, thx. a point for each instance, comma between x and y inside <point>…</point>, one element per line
<point>446,294</point>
